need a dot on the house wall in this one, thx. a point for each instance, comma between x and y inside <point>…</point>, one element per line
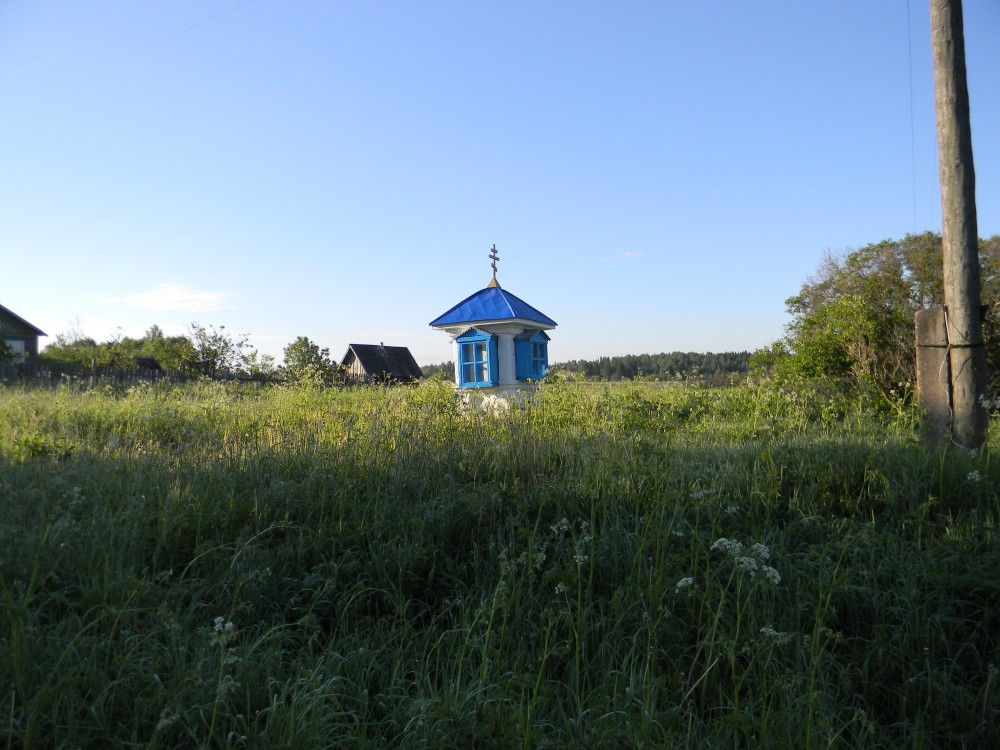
<point>355,370</point>
<point>13,330</point>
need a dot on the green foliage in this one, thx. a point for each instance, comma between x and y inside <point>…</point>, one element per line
<point>854,320</point>
<point>73,349</point>
<point>217,352</point>
<point>444,369</point>
<point>70,349</point>
<point>636,565</point>
<point>714,368</point>
<point>171,352</point>
<point>6,353</point>
<point>306,362</point>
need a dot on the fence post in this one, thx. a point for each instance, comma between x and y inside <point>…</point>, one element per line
<point>933,372</point>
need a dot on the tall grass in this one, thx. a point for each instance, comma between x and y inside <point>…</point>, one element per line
<point>609,566</point>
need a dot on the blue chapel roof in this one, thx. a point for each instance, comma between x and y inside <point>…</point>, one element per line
<point>491,303</point>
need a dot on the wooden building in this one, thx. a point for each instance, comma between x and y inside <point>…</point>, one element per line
<point>379,363</point>
<point>20,336</point>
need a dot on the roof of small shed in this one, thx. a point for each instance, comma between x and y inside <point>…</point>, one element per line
<point>14,317</point>
<point>491,304</point>
<point>384,361</point>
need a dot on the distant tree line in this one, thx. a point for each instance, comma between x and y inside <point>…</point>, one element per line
<point>711,368</point>
<point>447,370</point>
<point>716,368</point>
<point>204,351</point>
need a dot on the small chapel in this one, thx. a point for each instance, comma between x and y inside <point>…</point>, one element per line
<point>499,341</point>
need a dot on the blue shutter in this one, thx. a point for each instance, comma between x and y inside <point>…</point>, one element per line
<point>531,355</point>
<point>494,361</point>
<point>522,357</point>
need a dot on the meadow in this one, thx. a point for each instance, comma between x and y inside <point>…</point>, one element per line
<point>612,566</point>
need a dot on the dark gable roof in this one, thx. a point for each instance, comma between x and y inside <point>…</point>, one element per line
<point>18,319</point>
<point>384,361</point>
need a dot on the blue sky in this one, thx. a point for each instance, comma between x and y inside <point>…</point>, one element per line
<point>656,176</point>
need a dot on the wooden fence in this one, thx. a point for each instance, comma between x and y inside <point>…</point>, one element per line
<point>37,373</point>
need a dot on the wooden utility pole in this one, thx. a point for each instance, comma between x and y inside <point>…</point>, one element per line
<point>959,233</point>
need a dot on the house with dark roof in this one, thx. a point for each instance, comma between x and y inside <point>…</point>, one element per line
<point>20,336</point>
<point>380,363</point>
<point>499,341</point>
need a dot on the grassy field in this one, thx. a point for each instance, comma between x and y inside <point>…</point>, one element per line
<point>612,567</point>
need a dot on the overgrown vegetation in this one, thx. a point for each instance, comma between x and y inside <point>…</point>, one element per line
<point>612,566</point>
<point>854,319</point>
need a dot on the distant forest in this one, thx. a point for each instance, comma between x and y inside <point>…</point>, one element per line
<point>672,366</point>
<point>712,368</point>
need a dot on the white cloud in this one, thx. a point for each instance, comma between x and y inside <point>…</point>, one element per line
<point>177,297</point>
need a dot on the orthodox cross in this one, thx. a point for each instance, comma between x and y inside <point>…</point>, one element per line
<point>493,262</point>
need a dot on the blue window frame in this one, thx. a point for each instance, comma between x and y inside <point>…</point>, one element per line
<point>531,355</point>
<point>477,359</point>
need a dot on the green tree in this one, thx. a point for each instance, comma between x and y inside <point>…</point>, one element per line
<point>216,352</point>
<point>171,352</point>
<point>853,320</point>
<point>261,366</point>
<point>71,349</point>
<point>305,361</point>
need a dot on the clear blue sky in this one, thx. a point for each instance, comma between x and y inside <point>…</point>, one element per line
<point>656,176</point>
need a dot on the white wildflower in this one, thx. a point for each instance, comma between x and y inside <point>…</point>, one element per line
<point>730,546</point>
<point>560,588</point>
<point>683,584</point>
<point>580,559</point>
<point>974,476</point>
<point>748,564</point>
<point>761,551</point>
<point>223,631</point>
<point>773,577</point>
<point>539,559</point>
<point>770,632</point>
<point>167,719</point>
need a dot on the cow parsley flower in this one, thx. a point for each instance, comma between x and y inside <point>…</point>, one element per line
<point>558,529</point>
<point>730,546</point>
<point>683,584</point>
<point>223,631</point>
<point>748,564</point>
